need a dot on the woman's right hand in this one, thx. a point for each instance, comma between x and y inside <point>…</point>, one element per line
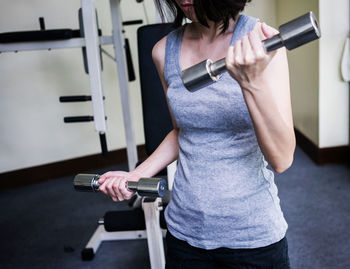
<point>113,184</point>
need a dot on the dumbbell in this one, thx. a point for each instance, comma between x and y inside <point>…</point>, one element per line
<point>148,187</point>
<point>293,34</point>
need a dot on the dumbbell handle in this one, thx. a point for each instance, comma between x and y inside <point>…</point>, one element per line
<point>148,187</point>
<point>291,35</point>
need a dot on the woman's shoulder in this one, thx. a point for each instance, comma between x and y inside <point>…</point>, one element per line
<point>158,51</point>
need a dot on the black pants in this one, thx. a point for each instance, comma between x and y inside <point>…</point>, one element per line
<point>182,255</point>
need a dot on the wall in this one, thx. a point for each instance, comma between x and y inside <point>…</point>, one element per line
<point>303,66</point>
<point>320,98</point>
<point>264,10</point>
<point>334,93</point>
<point>31,122</point>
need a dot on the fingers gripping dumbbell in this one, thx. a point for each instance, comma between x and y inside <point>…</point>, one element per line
<point>148,187</point>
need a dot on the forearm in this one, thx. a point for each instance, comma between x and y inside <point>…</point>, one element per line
<point>274,132</point>
<point>264,79</point>
<point>166,153</point>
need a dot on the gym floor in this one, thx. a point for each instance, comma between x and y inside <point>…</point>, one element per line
<point>48,224</point>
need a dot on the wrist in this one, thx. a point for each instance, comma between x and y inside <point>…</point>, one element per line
<point>136,173</point>
<point>256,85</point>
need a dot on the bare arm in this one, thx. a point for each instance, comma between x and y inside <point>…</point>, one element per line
<point>113,183</point>
<point>168,150</point>
<point>264,78</point>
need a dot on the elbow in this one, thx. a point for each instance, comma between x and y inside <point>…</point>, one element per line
<point>285,159</point>
<point>282,165</point>
<point>280,169</point>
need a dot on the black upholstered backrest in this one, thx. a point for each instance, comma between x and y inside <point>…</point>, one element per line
<point>156,117</point>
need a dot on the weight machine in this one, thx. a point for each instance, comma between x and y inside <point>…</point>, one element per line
<point>146,221</point>
<point>89,38</point>
<point>149,222</point>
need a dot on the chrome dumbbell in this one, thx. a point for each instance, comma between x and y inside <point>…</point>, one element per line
<point>293,34</point>
<point>147,187</point>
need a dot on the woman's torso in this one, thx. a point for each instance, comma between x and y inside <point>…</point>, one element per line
<point>223,194</point>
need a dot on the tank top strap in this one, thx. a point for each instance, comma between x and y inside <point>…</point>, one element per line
<point>172,51</point>
<point>244,25</point>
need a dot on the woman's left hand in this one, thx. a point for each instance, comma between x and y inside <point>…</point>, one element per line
<point>113,184</point>
<point>247,59</point>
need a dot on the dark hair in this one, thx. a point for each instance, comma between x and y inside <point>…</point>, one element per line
<point>218,11</point>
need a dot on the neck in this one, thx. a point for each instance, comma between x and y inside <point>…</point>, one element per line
<point>213,31</point>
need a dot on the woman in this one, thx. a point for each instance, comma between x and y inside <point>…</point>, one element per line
<point>224,211</point>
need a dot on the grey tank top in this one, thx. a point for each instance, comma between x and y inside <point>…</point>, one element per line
<point>223,194</point>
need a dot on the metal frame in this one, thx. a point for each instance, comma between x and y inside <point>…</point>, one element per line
<point>118,41</point>
<point>92,42</point>
<point>171,169</point>
<point>101,235</point>
<point>78,42</point>
<point>153,233</point>
<point>94,64</point>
